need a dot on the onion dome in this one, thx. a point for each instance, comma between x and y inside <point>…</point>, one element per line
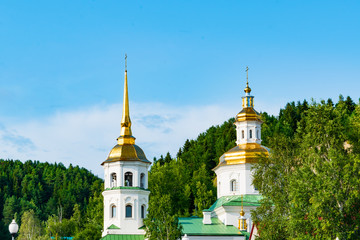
<point>248,122</point>
<point>125,149</point>
<point>243,153</point>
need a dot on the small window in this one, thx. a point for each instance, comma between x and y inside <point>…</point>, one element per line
<point>250,133</point>
<point>113,180</point>
<point>128,179</point>
<point>242,134</point>
<point>233,185</point>
<point>143,211</point>
<point>142,180</point>
<point>113,211</point>
<point>257,134</point>
<point>128,211</point>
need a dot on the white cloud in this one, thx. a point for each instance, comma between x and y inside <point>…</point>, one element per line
<point>85,137</point>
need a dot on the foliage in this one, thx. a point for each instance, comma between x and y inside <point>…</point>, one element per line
<point>30,228</point>
<point>189,177</point>
<point>311,180</point>
<point>47,193</point>
<point>93,220</point>
<point>160,224</point>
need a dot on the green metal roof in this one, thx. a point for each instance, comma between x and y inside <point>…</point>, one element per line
<point>235,200</point>
<point>123,237</point>
<point>195,227</point>
<point>113,227</point>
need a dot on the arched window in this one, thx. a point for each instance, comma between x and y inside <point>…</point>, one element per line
<point>242,134</point>
<point>128,179</point>
<point>128,211</point>
<point>233,185</point>
<point>113,180</point>
<point>250,133</point>
<point>113,211</point>
<point>142,211</point>
<point>142,180</point>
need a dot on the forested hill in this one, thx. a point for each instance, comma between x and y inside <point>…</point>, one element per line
<point>63,201</point>
<point>188,179</point>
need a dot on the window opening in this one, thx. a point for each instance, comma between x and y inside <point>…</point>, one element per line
<point>128,211</point>
<point>113,211</point>
<point>143,211</point>
<point>113,180</point>
<point>128,179</point>
<point>142,180</point>
<point>233,185</point>
<point>250,134</point>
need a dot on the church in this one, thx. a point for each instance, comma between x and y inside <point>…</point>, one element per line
<point>126,194</point>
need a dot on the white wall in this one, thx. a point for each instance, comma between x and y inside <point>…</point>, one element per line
<point>246,126</point>
<point>229,215</point>
<point>121,197</point>
<point>121,167</point>
<point>242,173</point>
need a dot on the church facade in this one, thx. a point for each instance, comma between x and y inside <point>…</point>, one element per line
<point>126,194</point>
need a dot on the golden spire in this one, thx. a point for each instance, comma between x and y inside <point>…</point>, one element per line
<point>247,89</point>
<point>125,133</point>
<point>242,213</point>
<point>242,219</point>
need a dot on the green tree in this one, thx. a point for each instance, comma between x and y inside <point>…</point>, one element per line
<point>160,225</point>
<point>93,223</point>
<point>59,227</point>
<point>30,228</point>
<point>10,208</point>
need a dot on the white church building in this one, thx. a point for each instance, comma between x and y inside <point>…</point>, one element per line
<point>230,216</point>
<point>126,197</point>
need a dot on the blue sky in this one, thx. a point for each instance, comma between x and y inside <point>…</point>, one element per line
<point>62,63</point>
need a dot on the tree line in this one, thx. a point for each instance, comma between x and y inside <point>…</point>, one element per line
<point>50,200</point>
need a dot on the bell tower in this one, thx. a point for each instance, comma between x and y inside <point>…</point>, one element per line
<point>234,171</point>
<point>126,194</point>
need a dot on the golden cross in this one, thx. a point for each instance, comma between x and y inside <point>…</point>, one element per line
<point>247,76</point>
<point>125,62</point>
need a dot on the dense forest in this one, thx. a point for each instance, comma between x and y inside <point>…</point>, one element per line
<point>311,182</point>
<point>50,200</point>
<point>314,148</point>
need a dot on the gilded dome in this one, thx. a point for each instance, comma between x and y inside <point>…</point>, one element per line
<point>126,152</point>
<point>243,153</point>
<point>248,114</point>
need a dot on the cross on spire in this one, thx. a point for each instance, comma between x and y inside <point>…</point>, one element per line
<point>125,62</point>
<point>247,76</point>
